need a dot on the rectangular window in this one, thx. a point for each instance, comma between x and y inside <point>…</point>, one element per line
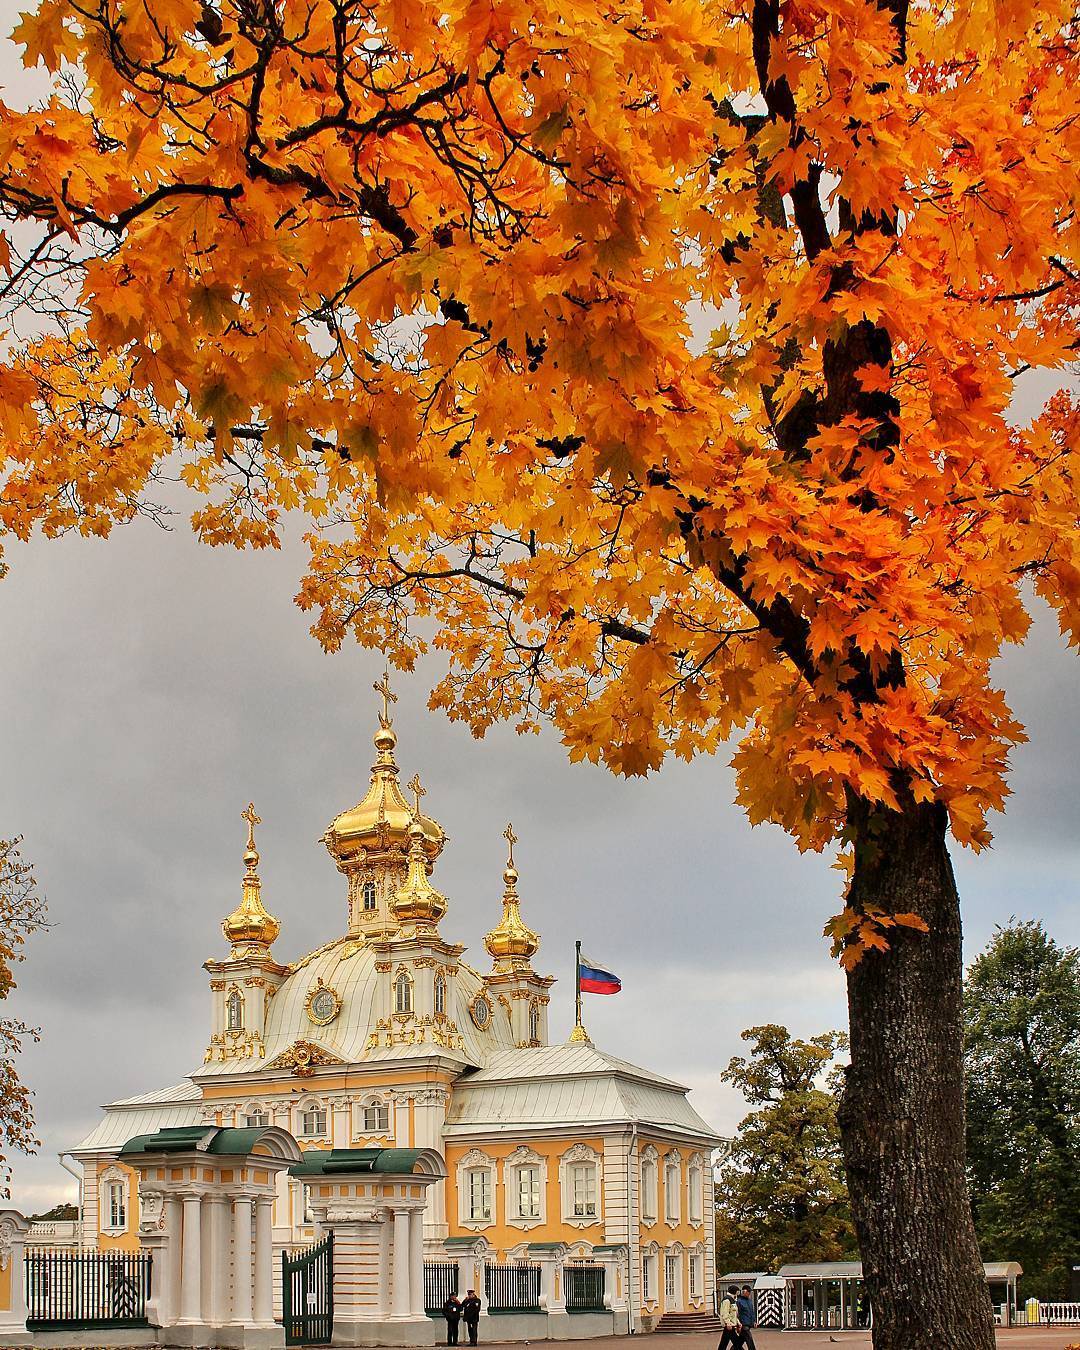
<point>671,1191</point>
<point>671,1275</point>
<point>117,1208</point>
<point>646,1280</point>
<point>528,1188</point>
<point>258,1120</point>
<point>695,1194</point>
<point>313,1121</point>
<point>583,1190</point>
<point>377,1119</point>
<point>480,1193</point>
<point>695,1274</point>
<point>648,1188</point>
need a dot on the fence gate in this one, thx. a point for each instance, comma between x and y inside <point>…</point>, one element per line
<point>584,1282</point>
<point>307,1293</point>
<point>440,1281</point>
<point>512,1288</point>
<point>67,1289</point>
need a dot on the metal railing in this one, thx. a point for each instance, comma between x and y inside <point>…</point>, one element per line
<point>440,1281</point>
<point>584,1284</point>
<point>86,1289</point>
<point>512,1288</point>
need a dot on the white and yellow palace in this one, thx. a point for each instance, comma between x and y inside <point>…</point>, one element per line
<point>386,1037</point>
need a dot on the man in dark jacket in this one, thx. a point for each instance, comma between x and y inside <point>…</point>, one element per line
<point>470,1310</point>
<point>451,1310</point>
<point>747,1316</point>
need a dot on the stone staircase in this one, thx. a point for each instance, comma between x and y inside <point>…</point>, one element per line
<point>690,1324</point>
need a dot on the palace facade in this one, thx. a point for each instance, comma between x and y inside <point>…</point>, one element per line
<point>386,1037</point>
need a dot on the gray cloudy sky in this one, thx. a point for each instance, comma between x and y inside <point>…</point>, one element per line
<point>150,687</point>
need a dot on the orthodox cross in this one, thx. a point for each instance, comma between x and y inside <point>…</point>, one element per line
<point>252,820</point>
<point>415,788</point>
<point>388,696</point>
<point>511,838</point>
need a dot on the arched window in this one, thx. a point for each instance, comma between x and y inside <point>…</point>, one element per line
<point>257,1118</point>
<point>648,1185</point>
<point>234,1014</point>
<point>377,1118</point>
<point>534,1023</point>
<point>403,993</point>
<point>369,895</point>
<point>440,994</point>
<point>312,1120</point>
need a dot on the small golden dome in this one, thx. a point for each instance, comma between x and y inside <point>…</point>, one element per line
<point>249,925</point>
<point>381,821</point>
<point>418,901</point>
<point>511,943</point>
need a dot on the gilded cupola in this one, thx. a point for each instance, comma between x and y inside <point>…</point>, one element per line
<point>417,900</point>
<point>249,925</point>
<point>511,943</point>
<point>381,821</point>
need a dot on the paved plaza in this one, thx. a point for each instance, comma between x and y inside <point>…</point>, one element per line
<point>1017,1338</point>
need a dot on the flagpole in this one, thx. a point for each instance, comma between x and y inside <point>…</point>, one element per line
<point>579,1033</point>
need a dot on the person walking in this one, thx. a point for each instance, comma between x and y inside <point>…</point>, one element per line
<point>747,1316</point>
<point>470,1311</point>
<point>451,1310</point>
<point>729,1320</point>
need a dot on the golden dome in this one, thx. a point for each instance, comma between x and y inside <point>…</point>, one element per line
<point>381,821</point>
<point>511,943</point>
<point>249,925</point>
<point>417,901</point>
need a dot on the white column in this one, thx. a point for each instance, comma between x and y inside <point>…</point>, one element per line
<point>191,1261</point>
<point>384,1267</point>
<point>169,1309</point>
<point>217,1264</point>
<point>402,1296</point>
<point>264,1261</point>
<point>241,1292</point>
<point>416,1261</point>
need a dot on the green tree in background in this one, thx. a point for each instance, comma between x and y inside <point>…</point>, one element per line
<point>781,1194</point>
<point>1022,1012</point>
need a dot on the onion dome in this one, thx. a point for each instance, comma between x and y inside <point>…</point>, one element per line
<point>381,821</point>
<point>249,925</point>
<point>510,942</point>
<point>417,900</point>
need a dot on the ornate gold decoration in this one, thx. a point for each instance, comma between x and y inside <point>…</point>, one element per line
<point>481,1012</point>
<point>511,943</point>
<point>303,1058</point>
<point>417,901</point>
<point>579,1036</point>
<point>322,1004</point>
<point>380,822</point>
<point>249,927</point>
<point>240,1044</point>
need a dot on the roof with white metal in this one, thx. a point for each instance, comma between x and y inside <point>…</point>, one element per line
<point>349,969</point>
<point>124,1120</point>
<point>573,1084</point>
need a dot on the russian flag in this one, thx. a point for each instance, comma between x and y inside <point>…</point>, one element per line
<point>594,979</point>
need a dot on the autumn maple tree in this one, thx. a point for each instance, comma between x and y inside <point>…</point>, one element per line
<point>659,359</point>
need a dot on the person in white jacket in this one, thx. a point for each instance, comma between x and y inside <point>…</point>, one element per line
<point>729,1318</point>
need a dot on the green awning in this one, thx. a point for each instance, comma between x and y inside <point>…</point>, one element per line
<point>212,1139</point>
<point>332,1162</point>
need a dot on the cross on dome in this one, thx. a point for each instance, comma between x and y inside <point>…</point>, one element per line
<point>388,696</point>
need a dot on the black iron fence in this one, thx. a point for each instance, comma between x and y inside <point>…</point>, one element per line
<point>86,1289</point>
<point>512,1288</point>
<point>584,1287</point>
<point>440,1281</point>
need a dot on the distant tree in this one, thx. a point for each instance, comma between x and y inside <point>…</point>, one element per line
<point>781,1194</point>
<point>22,912</point>
<point>58,1214</point>
<point>1022,1011</point>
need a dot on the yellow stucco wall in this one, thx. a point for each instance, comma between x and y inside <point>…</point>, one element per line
<point>128,1240</point>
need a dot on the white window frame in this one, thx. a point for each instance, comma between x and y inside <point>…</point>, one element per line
<point>521,1158</point>
<point>403,980</point>
<point>369,897</point>
<point>234,999</point>
<point>696,1190</point>
<point>475,1162</point>
<point>257,1118</point>
<point>112,1183</point>
<point>650,1173</point>
<point>534,1023</point>
<point>581,1155</point>
<point>321,1119</point>
<point>696,1271</point>
<point>673,1193</point>
<point>439,994</point>
<point>479,1200</point>
<point>380,1122</point>
<point>650,1275</point>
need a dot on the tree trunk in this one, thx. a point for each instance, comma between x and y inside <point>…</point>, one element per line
<point>902,1113</point>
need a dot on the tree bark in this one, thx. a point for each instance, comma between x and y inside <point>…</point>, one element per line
<point>902,1113</point>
